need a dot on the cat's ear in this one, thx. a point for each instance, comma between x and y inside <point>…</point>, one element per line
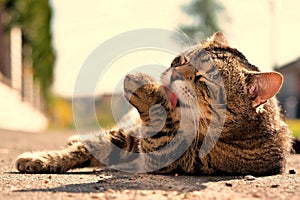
<point>219,38</point>
<point>264,86</point>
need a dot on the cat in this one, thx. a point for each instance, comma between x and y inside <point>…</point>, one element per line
<point>214,113</point>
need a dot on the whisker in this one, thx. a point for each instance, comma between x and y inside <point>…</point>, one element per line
<point>196,117</point>
<point>187,41</point>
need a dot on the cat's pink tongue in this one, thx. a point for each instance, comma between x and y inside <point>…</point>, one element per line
<point>173,98</point>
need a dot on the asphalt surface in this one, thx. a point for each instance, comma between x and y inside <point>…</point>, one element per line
<point>110,184</point>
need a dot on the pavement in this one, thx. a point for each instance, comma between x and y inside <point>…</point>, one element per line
<point>109,184</point>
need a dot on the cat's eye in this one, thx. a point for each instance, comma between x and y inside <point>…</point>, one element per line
<point>199,76</point>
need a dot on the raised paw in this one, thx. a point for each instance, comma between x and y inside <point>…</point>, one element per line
<point>142,92</point>
<point>134,82</point>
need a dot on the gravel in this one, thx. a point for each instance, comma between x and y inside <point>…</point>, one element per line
<point>110,184</point>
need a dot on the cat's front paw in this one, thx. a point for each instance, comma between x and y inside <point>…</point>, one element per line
<point>135,82</point>
<point>31,163</point>
<point>142,92</point>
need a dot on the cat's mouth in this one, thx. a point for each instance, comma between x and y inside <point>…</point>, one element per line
<point>172,97</point>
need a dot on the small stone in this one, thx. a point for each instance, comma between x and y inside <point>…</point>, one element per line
<point>176,175</point>
<point>143,193</point>
<point>110,191</point>
<point>132,178</point>
<point>46,181</point>
<point>275,186</point>
<point>228,184</point>
<point>256,195</point>
<point>50,177</point>
<point>292,171</point>
<point>94,196</point>
<point>249,178</point>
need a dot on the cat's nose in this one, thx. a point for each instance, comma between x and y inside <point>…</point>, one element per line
<point>176,75</point>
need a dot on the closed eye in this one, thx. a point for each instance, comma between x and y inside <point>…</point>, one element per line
<point>199,77</point>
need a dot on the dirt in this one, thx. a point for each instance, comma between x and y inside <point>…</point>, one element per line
<point>110,184</point>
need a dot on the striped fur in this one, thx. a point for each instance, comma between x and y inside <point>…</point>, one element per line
<point>213,82</point>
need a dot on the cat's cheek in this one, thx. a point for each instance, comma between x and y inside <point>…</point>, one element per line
<point>166,77</point>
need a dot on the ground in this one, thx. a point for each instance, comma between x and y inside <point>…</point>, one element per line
<point>110,184</point>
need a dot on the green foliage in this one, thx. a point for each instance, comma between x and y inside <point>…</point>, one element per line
<point>294,126</point>
<point>205,15</point>
<point>61,116</point>
<point>104,112</point>
<point>34,18</point>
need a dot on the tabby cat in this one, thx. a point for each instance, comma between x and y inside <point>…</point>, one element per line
<point>214,113</point>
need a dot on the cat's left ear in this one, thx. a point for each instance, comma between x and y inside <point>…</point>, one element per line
<point>219,38</point>
<point>264,86</point>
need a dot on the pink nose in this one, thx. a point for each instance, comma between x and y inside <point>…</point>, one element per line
<point>176,75</point>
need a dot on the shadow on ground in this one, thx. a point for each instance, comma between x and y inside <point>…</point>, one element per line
<point>117,181</point>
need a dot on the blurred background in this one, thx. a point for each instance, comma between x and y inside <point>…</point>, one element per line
<point>44,43</point>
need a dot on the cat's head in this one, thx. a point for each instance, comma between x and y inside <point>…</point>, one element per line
<point>215,73</point>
